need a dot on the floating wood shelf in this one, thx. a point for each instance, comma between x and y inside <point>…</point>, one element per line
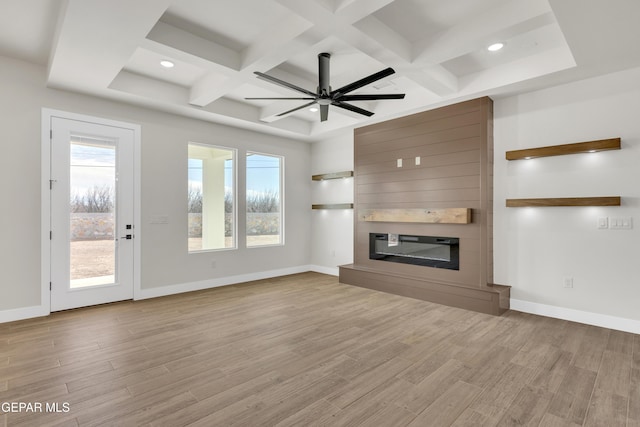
<point>567,201</point>
<point>333,206</point>
<point>434,216</point>
<point>334,175</point>
<point>560,150</point>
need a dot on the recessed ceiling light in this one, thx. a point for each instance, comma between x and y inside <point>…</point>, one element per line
<point>495,47</point>
<point>313,109</point>
<point>167,64</point>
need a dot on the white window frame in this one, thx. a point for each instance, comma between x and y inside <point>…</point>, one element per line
<point>234,163</point>
<point>281,189</point>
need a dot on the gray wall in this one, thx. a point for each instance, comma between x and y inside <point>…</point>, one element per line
<point>165,260</point>
<point>332,238</point>
<point>537,248</point>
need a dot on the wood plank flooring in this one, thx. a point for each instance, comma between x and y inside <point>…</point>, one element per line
<point>304,350</point>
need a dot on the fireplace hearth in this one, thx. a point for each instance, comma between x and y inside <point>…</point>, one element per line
<point>428,251</point>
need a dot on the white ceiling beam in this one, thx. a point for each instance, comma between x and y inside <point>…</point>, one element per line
<point>386,37</point>
<point>95,39</point>
<point>210,87</point>
<point>269,113</point>
<point>392,51</point>
<point>371,37</point>
<point>275,45</point>
<point>434,78</point>
<point>272,48</point>
<point>235,109</point>
<point>175,99</point>
<point>182,56</point>
<point>473,34</point>
<point>147,87</point>
<point>174,43</point>
<point>528,68</point>
<point>340,4</point>
<point>295,79</point>
<point>168,40</point>
<point>355,10</point>
<point>239,110</point>
<point>338,21</point>
<point>208,50</point>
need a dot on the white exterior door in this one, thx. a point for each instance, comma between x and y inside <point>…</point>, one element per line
<point>92,213</point>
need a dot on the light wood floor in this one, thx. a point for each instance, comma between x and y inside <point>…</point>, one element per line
<point>305,350</point>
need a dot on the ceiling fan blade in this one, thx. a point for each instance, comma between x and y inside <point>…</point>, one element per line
<point>365,81</point>
<point>324,113</point>
<point>323,74</point>
<point>271,79</point>
<point>280,98</point>
<point>296,109</point>
<point>352,108</point>
<point>370,97</point>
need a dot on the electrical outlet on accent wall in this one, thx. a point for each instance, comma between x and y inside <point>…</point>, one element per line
<point>568,282</point>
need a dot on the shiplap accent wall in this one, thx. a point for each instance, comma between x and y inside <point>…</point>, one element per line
<point>455,146</point>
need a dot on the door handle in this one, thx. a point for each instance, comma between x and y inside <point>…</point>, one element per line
<point>127,237</point>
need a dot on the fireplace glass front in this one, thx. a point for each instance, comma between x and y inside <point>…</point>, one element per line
<point>429,251</point>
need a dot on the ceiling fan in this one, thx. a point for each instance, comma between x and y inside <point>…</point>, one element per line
<point>324,96</point>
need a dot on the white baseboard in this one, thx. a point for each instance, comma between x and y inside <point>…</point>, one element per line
<point>22,313</point>
<point>332,271</point>
<point>214,283</point>
<point>588,318</point>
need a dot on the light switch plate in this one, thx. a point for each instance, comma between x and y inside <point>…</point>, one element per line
<point>159,219</point>
<point>621,223</point>
<point>603,222</point>
<point>399,163</point>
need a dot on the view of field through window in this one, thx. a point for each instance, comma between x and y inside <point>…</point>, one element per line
<point>92,204</point>
<point>264,202</point>
<point>211,201</point>
<point>92,207</point>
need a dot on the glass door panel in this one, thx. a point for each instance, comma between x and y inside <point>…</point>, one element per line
<point>92,211</point>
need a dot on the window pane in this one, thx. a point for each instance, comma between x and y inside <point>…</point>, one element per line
<point>92,206</point>
<point>211,200</point>
<point>264,201</point>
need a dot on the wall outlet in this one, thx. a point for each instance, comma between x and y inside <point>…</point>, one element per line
<point>568,282</point>
<point>417,160</point>
<point>399,163</point>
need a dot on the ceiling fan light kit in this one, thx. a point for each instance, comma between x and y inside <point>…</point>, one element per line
<point>324,96</point>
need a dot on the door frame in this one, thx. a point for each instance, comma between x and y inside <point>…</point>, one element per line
<point>45,223</point>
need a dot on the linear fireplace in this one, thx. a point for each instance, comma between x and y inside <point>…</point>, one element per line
<point>429,251</point>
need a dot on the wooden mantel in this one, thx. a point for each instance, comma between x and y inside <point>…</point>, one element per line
<point>427,216</point>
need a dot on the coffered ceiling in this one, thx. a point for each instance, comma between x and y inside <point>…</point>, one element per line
<point>438,49</point>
